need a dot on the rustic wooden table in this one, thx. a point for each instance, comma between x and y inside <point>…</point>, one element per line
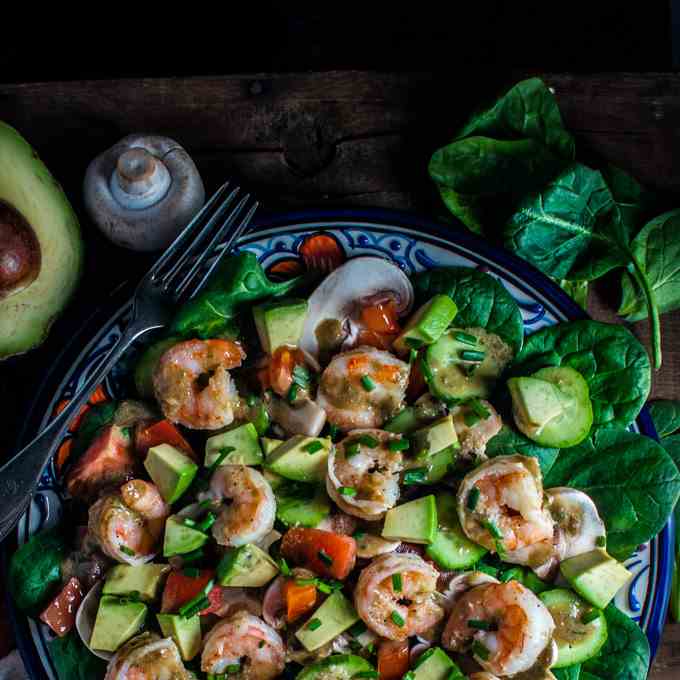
<point>322,139</point>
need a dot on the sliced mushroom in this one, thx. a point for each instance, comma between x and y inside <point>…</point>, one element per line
<point>579,528</point>
<point>460,584</point>
<point>86,616</point>
<point>306,418</point>
<point>371,545</point>
<point>334,307</point>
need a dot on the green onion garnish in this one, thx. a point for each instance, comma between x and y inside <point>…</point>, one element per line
<point>601,541</point>
<point>415,476</point>
<point>260,644</point>
<point>398,444</point>
<point>305,581</point>
<point>314,624</point>
<point>127,551</point>
<point>333,431</point>
<point>347,491</point>
<point>423,657</point>
<point>352,449</point>
<point>465,338</point>
<point>198,603</point>
<point>292,393</point>
<point>192,556</point>
<point>491,527</point>
<point>188,522</point>
<point>479,409</point>
<point>472,355</point>
<point>479,625</point>
<point>486,569</point>
<point>409,675</point>
<point>233,668</point>
<point>412,356</point>
<point>251,400</point>
<point>283,566</point>
<point>191,572</point>
<point>471,419</point>
<point>397,583</point>
<point>413,343</point>
<point>325,557</point>
<point>514,574</point>
<point>313,447</point>
<point>207,503</point>
<point>367,383</point>
<point>478,649</point>
<point>590,616</point>
<point>357,629</point>
<point>367,440</point>
<point>358,534</point>
<point>473,498</point>
<point>224,452</point>
<point>301,376</point>
<point>397,618</point>
<point>207,522</point>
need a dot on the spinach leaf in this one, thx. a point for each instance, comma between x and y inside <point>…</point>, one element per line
<point>237,282</point>
<point>614,364</point>
<point>657,249</point>
<point>508,441</point>
<point>665,414</point>
<point>577,290</point>
<point>73,660</point>
<point>96,417</point>
<point>625,655</point>
<point>632,480</point>
<point>511,148</point>
<point>481,300</point>
<point>634,201</point>
<point>568,673</point>
<point>35,570</point>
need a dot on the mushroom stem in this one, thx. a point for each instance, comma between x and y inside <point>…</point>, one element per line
<point>140,179</point>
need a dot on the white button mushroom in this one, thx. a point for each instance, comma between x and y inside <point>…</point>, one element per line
<point>143,191</point>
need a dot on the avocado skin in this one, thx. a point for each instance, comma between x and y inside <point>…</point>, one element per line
<point>28,187</point>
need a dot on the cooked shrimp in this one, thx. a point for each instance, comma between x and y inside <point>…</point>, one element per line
<point>362,388</point>
<point>397,608</point>
<point>246,642</point>
<point>473,435</point>
<point>147,657</point>
<point>501,506</point>
<point>519,632</point>
<point>127,525</point>
<point>371,472</point>
<point>249,506</point>
<point>193,385</point>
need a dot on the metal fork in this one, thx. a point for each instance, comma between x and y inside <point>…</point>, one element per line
<point>177,276</point>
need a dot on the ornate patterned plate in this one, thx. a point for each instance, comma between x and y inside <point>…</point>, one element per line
<point>297,241</point>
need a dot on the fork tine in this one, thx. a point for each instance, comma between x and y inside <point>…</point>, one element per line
<point>192,248</point>
<point>225,249</point>
<point>209,250</point>
<point>197,219</point>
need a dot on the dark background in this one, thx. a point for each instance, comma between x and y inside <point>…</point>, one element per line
<point>466,44</point>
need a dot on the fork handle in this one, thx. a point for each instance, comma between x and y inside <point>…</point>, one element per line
<point>19,477</point>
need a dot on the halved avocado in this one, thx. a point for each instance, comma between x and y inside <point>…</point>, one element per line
<point>41,252</point>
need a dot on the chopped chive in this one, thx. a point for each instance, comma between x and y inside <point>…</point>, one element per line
<point>398,444</point>
<point>473,498</point>
<point>414,343</point>
<point>251,400</point>
<point>423,657</point>
<point>370,647</point>
<point>352,449</point>
<point>478,649</point>
<point>357,629</point>
<point>313,447</point>
<point>415,476</point>
<point>590,616</point>
<point>305,581</point>
<point>188,522</point>
<point>283,566</point>
<point>486,569</point>
<point>514,574</point>
<point>367,383</point>
<point>301,376</point>
<point>479,408</point>
<point>397,618</point>
<point>472,355</point>
<point>224,452</point>
<point>412,356</point>
<point>191,572</point>
<point>292,393</point>
<point>324,587</point>
<point>491,527</point>
<point>347,491</point>
<point>480,625</point>
<point>409,675</point>
<point>471,419</point>
<point>260,644</point>
<point>333,431</point>
<point>366,674</point>
<point>314,624</point>
<point>198,603</point>
<point>465,338</point>
<point>367,440</point>
<point>127,551</point>
<point>358,534</point>
<point>397,584</point>
<point>207,503</point>
<point>207,522</point>
<point>192,556</point>
<point>325,557</point>
<point>601,541</point>
<point>233,668</point>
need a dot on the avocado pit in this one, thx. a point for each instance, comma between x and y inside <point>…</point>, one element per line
<point>19,251</point>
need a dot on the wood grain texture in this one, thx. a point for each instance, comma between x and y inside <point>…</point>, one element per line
<point>340,138</point>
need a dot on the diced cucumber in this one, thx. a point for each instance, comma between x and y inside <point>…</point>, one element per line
<point>301,504</point>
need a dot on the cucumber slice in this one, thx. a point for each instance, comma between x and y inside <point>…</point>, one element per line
<point>299,504</point>
<point>571,424</point>
<point>451,548</point>
<point>451,377</point>
<point>576,641</point>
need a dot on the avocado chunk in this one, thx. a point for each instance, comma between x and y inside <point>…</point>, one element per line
<point>117,621</point>
<point>185,632</point>
<point>280,323</point>
<point>415,521</point>
<point>244,443</point>
<point>435,664</point>
<point>146,365</point>
<point>434,438</point>
<point>552,407</point>
<point>336,667</point>
<point>180,539</point>
<point>451,548</point>
<point>333,617</point>
<point>268,444</point>
<point>41,246</point>
<point>299,503</point>
<point>595,576</point>
<point>430,470</point>
<point>247,566</point>
<point>427,324</point>
<point>171,470</point>
<point>301,458</point>
<point>580,630</point>
<point>140,581</point>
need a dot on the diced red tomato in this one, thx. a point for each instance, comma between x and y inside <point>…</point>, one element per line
<point>299,599</point>
<point>162,432</point>
<point>377,340</point>
<point>179,589</point>
<point>393,659</point>
<point>60,614</point>
<point>108,460</point>
<point>323,552</point>
<point>381,318</point>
